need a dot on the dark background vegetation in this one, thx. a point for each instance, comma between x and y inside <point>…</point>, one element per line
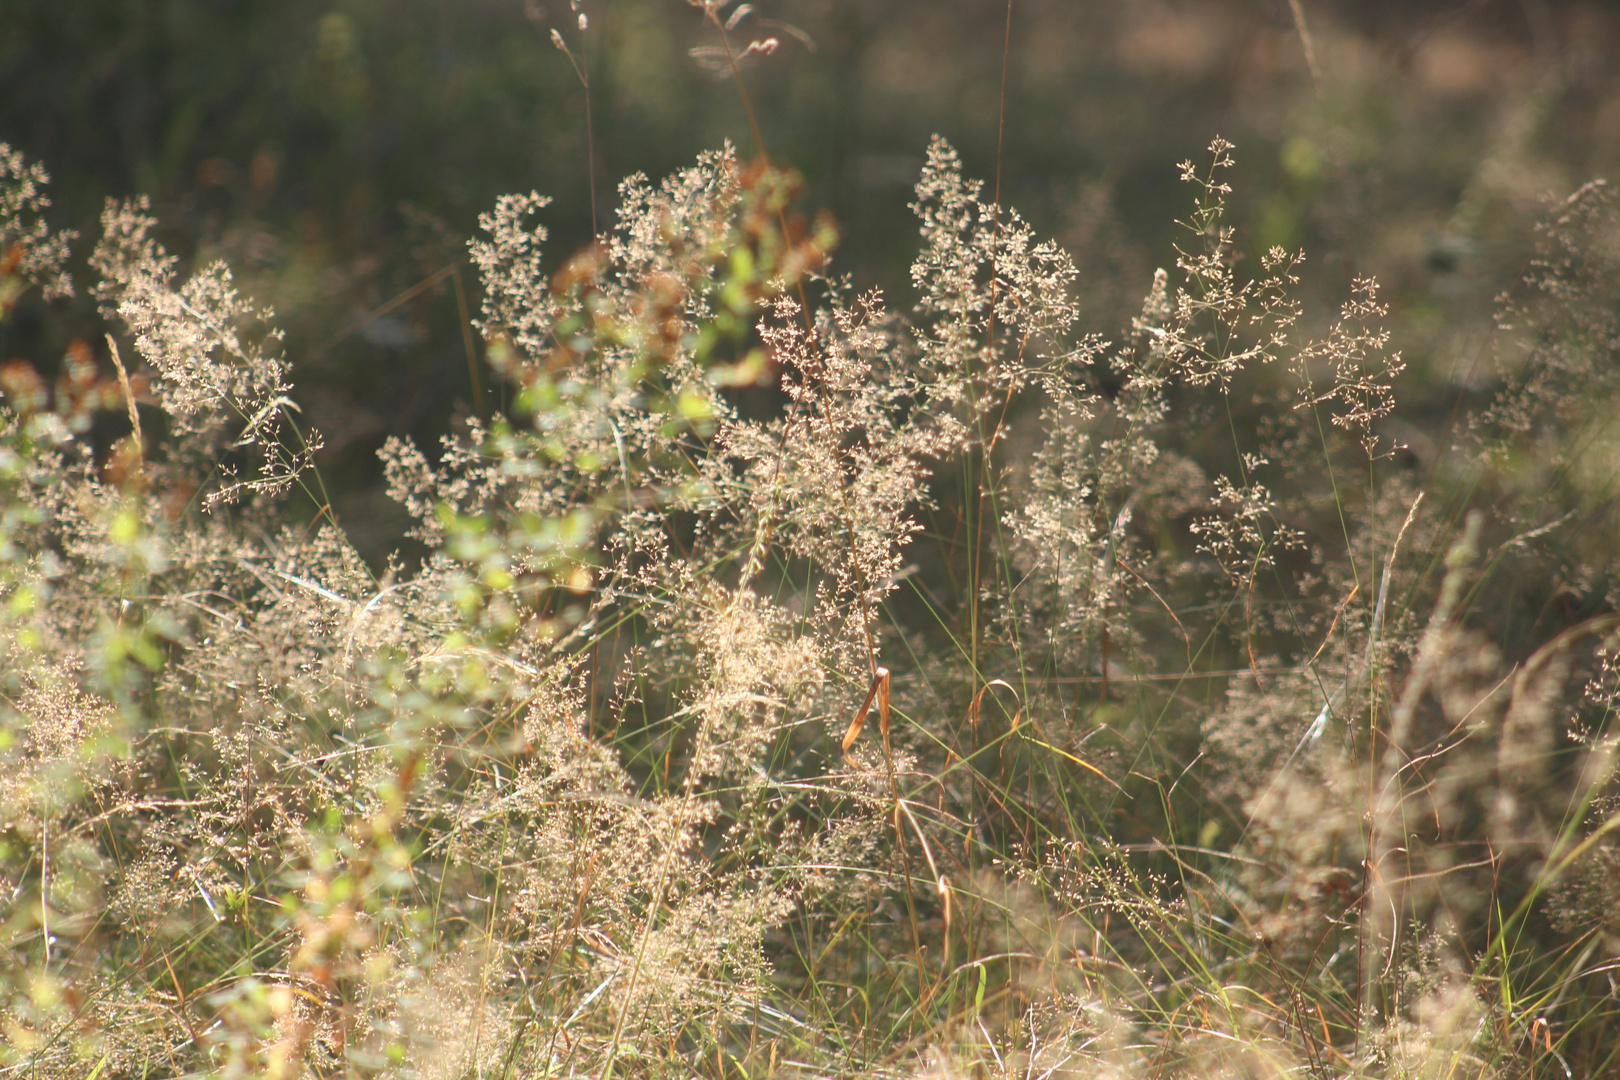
<point>338,152</point>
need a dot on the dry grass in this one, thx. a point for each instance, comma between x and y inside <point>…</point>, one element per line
<point>1010,697</point>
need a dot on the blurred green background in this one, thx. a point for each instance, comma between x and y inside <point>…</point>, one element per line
<point>337,152</point>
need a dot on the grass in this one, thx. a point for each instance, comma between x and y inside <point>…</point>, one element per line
<point>795,686</point>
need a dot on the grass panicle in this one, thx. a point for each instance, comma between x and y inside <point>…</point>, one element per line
<point>799,682</point>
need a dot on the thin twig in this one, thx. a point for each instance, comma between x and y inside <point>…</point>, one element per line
<point>1309,45</point>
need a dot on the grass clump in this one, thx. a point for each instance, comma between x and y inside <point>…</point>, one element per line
<point>795,686</point>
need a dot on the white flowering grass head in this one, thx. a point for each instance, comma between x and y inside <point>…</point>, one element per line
<point>1004,696</point>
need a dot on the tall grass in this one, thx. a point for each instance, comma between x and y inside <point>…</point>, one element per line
<point>799,685</point>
